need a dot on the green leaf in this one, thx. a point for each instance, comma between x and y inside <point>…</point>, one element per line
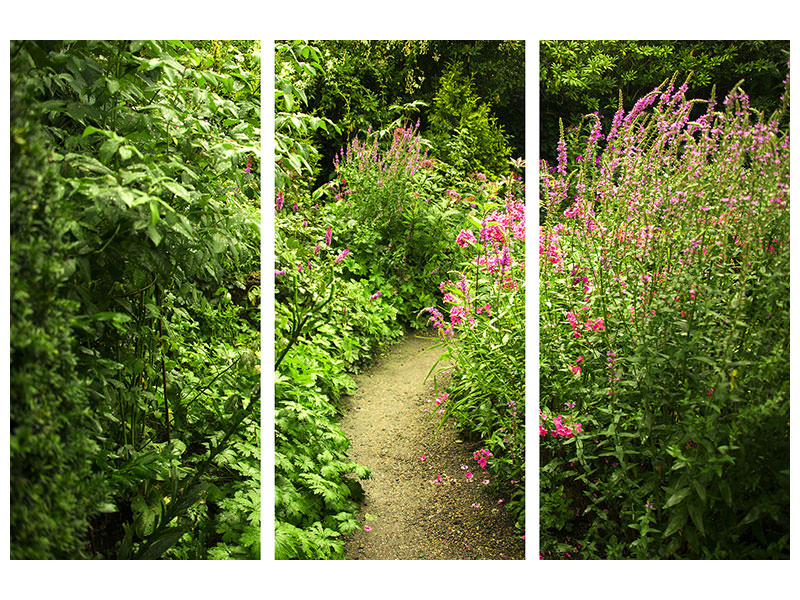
<point>701,491</point>
<point>90,130</point>
<point>677,497</point>
<point>162,543</point>
<point>155,217</point>
<point>696,513</point>
<point>108,149</point>
<point>154,235</point>
<point>177,189</point>
<point>675,523</point>
<point>125,152</point>
<point>144,517</point>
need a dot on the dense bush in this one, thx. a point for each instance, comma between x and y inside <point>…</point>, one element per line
<point>385,83</point>
<point>580,77</point>
<point>464,132</point>
<point>134,306</point>
<point>664,369</point>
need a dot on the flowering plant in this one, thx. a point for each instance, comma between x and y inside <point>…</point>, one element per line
<point>482,326</point>
<point>664,331</point>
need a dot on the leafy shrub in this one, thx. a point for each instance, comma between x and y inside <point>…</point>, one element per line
<point>146,191</point>
<point>53,439</point>
<point>408,214</point>
<point>664,336</point>
<point>296,65</point>
<point>463,129</point>
<point>385,83</point>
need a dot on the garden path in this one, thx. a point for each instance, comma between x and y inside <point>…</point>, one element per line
<point>411,515</point>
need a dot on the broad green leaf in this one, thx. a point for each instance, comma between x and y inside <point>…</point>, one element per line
<point>696,513</point>
<point>701,491</point>
<point>125,152</point>
<point>154,235</point>
<point>108,149</point>
<point>90,130</point>
<point>675,523</point>
<point>177,189</point>
<point>677,497</point>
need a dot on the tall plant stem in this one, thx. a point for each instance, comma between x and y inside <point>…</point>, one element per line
<point>163,363</point>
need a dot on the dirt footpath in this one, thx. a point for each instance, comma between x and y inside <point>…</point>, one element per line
<point>419,508</point>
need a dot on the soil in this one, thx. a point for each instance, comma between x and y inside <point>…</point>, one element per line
<point>419,509</point>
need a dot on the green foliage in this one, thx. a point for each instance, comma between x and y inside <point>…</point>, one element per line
<point>296,65</point>
<point>356,258</point>
<point>138,227</point>
<point>463,129</point>
<point>577,77</point>
<point>485,339</point>
<point>665,334</point>
<point>53,438</point>
<point>385,83</point>
<point>403,197</point>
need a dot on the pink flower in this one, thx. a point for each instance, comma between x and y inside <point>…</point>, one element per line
<point>341,256</point>
<point>469,476</point>
<point>422,457</point>
<point>465,238</point>
<point>375,295</point>
<point>500,501</point>
<point>485,482</point>
<point>367,528</point>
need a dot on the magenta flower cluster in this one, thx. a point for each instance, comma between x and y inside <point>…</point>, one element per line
<point>560,429</point>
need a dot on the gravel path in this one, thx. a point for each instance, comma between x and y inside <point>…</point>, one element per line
<point>412,515</point>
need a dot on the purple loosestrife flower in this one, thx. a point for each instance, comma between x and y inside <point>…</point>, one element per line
<point>375,295</point>
<point>249,164</point>
<point>279,201</point>
<point>328,235</point>
<point>341,256</point>
<point>562,157</point>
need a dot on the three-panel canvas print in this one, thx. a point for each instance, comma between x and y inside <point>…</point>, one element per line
<point>382,195</point>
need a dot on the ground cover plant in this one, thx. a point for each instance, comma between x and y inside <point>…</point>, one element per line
<point>664,333</point>
<point>135,397</point>
<point>358,258</point>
